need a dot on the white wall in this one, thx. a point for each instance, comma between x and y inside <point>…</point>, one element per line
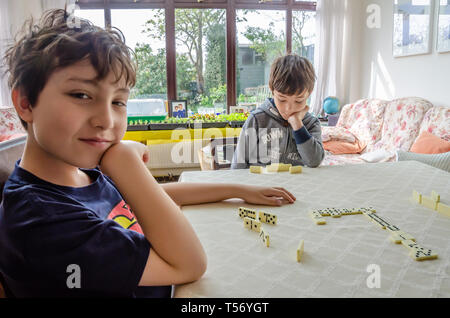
<point>383,76</point>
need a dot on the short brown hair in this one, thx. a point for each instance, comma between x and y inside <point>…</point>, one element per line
<point>53,43</point>
<point>292,74</point>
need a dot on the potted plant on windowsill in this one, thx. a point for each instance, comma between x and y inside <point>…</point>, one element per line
<point>208,121</point>
<point>237,120</point>
<point>170,124</point>
<point>136,123</point>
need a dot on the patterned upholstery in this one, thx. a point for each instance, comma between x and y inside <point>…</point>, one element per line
<point>364,119</point>
<point>10,125</point>
<point>401,124</point>
<point>389,125</point>
<point>437,122</point>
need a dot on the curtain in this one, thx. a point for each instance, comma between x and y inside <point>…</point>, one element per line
<point>334,56</point>
<point>13,14</point>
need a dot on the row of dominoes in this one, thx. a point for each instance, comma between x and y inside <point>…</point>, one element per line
<point>277,167</point>
<point>262,216</point>
<point>397,236</point>
<point>250,222</point>
<point>317,215</point>
<point>433,202</point>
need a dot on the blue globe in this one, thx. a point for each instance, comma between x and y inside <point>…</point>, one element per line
<point>331,105</point>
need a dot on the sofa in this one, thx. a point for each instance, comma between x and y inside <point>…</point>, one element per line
<point>386,128</point>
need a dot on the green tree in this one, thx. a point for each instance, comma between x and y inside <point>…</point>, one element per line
<point>191,25</point>
<point>299,19</point>
<point>215,68</point>
<point>151,71</point>
<point>265,42</point>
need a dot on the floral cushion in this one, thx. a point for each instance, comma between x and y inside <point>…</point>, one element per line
<point>364,119</point>
<point>402,119</point>
<point>10,125</point>
<point>437,122</point>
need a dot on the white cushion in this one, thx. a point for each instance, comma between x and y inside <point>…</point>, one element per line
<point>377,155</point>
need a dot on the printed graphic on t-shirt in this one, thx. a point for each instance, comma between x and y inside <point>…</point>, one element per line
<point>123,215</point>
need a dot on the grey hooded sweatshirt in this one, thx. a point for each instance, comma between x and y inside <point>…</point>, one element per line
<point>267,138</point>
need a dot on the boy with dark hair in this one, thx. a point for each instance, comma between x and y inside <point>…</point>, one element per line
<point>281,130</point>
<point>81,214</point>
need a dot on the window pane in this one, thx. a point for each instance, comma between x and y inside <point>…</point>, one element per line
<point>96,16</point>
<point>144,31</point>
<point>201,59</point>
<point>261,38</point>
<point>304,33</point>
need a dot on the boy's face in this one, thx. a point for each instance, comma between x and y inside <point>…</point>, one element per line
<point>77,118</point>
<point>287,105</point>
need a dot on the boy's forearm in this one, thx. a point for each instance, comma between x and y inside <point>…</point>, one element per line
<point>196,193</point>
<point>162,222</point>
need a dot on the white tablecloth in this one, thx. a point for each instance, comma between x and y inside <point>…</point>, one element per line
<point>337,255</point>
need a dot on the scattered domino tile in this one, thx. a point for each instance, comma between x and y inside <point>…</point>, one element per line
<point>392,228</point>
<point>272,168</point>
<point>284,166</point>
<point>377,219</point>
<point>278,167</point>
<point>317,217</point>
<point>246,212</point>
<point>417,197</point>
<point>264,237</point>
<point>419,253</point>
<point>436,197</point>
<point>349,211</point>
<point>443,208</point>
<point>300,250</point>
<point>429,202</point>
<point>252,224</point>
<point>267,218</point>
<point>334,213</point>
<point>423,254</point>
<point>409,244</point>
<point>323,212</point>
<point>256,169</point>
<point>367,210</point>
<point>399,236</point>
<point>295,169</point>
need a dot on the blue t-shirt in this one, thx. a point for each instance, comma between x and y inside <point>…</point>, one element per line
<point>53,237</point>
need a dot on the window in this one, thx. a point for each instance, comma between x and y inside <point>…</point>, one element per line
<point>96,16</point>
<point>222,63</point>
<point>144,34</point>
<point>304,33</point>
<point>201,59</point>
<point>260,34</point>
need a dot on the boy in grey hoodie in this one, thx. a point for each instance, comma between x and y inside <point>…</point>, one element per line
<point>281,130</point>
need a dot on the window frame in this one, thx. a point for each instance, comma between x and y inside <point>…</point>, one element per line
<point>230,6</point>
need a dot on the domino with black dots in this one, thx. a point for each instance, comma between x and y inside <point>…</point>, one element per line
<point>246,212</point>
<point>267,218</point>
<point>252,224</point>
<point>419,253</point>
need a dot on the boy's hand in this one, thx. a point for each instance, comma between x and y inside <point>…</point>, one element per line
<point>296,119</point>
<point>119,152</point>
<point>265,195</point>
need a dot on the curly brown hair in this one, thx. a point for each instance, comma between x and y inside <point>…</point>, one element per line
<point>292,74</point>
<point>55,42</point>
